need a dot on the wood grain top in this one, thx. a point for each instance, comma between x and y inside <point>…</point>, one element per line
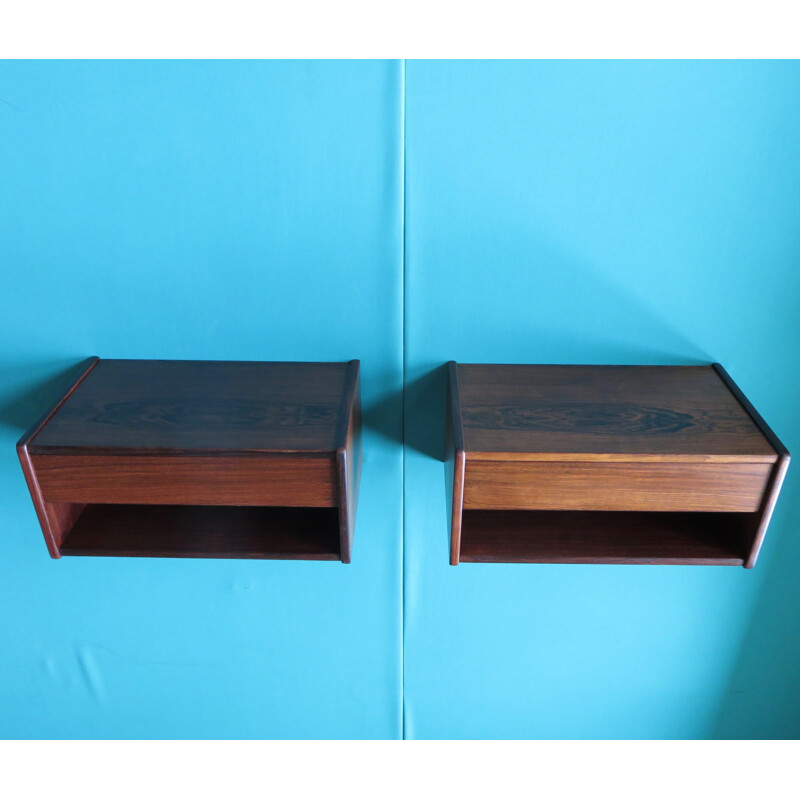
<point>604,413</point>
<point>190,406</point>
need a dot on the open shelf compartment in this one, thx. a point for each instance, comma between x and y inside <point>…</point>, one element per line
<point>604,537</point>
<point>205,531</point>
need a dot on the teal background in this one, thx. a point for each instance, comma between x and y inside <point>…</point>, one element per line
<point>219,211</point>
<point>403,214</point>
<point>601,212</point>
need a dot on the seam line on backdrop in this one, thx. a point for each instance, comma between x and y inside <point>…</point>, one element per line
<point>403,479</point>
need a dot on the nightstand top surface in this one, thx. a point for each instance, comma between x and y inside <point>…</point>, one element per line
<point>202,405</point>
<point>645,411</point>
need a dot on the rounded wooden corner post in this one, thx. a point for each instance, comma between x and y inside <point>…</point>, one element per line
<point>348,460</point>
<point>50,535</point>
<point>779,469</point>
<point>55,521</point>
<point>768,506</point>
<point>455,462</point>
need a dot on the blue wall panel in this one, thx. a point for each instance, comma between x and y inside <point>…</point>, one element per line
<point>215,211</point>
<point>554,212</point>
<point>562,212</point>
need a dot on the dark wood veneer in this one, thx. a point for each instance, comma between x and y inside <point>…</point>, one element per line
<point>200,458</point>
<point>607,464</point>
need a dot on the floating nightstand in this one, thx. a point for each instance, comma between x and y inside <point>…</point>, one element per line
<point>607,465</point>
<point>218,459</point>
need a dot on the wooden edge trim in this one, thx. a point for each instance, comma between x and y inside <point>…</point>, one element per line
<point>348,401</point>
<point>778,471</point>
<point>344,515</point>
<point>38,500</point>
<point>622,458</point>
<point>88,365</point>
<point>50,535</point>
<point>765,429</point>
<point>348,460</point>
<point>455,407</point>
<point>768,506</point>
<point>174,452</point>
<point>459,463</point>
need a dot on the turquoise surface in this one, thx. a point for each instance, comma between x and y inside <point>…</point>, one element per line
<point>210,211</point>
<point>601,212</point>
<point>405,214</point>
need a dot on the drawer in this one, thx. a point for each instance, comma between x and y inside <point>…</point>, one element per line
<point>615,486</point>
<point>251,480</point>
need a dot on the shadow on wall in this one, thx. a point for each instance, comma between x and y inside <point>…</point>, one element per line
<point>425,412</point>
<point>384,415</point>
<point>23,409</point>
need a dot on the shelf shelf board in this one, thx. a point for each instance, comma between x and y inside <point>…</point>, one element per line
<point>205,532</point>
<point>601,537</point>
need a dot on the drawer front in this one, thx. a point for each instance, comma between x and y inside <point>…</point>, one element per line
<point>189,480</point>
<point>614,486</point>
